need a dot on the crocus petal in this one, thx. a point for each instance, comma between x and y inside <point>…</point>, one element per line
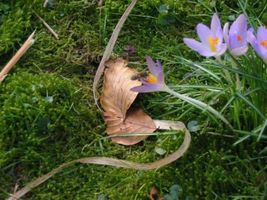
<point>154,68</point>
<point>161,78</point>
<point>147,88</point>
<point>239,51</point>
<point>199,47</point>
<point>239,26</point>
<point>261,33</point>
<point>251,37</point>
<point>203,32</point>
<point>193,44</point>
<point>260,50</point>
<point>225,33</point>
<point>211,39</point>
<point>253,41</point>
<point>235,43</point>
<point>238,32</point>
<point>215,26</point>
<point>158,68</point>
<point>151,65</point>
<point>264,57</point>
<point>257,47</point>
<point>221,50</point>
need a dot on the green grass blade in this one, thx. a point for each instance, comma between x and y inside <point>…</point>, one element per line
<point>201,68</point>
<point>250,104</point>
<point>241,139</point>
<point>199,104</point>
<point>262,130</point>
<point>243,73</point>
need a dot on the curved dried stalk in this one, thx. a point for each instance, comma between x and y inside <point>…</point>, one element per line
<point>179,126</point>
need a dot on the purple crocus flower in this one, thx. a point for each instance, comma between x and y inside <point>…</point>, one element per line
<point>236,38</point>
<point>154,81</point>
<point>211,39</point>
<point>259,43</point>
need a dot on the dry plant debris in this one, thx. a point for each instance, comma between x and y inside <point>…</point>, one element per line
<point>26,45</point>
<point>47,26</point>
<point>117,98</point>
<point>154,194</point>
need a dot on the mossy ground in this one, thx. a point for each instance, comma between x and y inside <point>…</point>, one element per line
<point>48,116</point>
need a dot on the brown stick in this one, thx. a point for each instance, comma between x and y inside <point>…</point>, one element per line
<point>27,44</point>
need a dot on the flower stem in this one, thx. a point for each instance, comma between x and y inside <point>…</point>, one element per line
<point>235,66</point>
<point>226,72</point>
<point>199,104</point>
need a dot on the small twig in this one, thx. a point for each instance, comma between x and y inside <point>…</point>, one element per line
<point>47,26</point>
<point>17,56</point>
<point>45,3</point>
<point>100,3</point>
<point>16,187</point>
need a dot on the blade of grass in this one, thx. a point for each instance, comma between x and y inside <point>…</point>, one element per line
<point>199,104</point>
<point>245,74</point>
<point>227,104</point>
<point>201,68</point>
<point>241,139</point>
<point>262,130</point>
<point>250,104</point>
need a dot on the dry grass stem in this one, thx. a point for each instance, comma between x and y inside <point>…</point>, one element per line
<point>48,27</point>
<point>27,44</point>
<point>45,3</point>
<point>178,126</point>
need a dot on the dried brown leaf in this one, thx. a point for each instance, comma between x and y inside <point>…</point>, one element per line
<point>109,48</point>
<point>117,98</point>
<point>154,194</point>
<point>136,122</point>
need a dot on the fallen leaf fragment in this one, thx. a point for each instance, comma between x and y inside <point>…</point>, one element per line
<point>109,48</point>
<point>117,98</point>
<point>136,122</point>
<point>154,194</point>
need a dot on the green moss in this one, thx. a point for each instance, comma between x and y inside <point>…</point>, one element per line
<point>14,21</point>
<point>40,114</point>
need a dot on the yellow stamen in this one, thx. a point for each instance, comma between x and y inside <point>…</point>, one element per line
<point>264,43</point>
<point>213,41</point>
<point>151,79</point>
<point>239,38</point>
